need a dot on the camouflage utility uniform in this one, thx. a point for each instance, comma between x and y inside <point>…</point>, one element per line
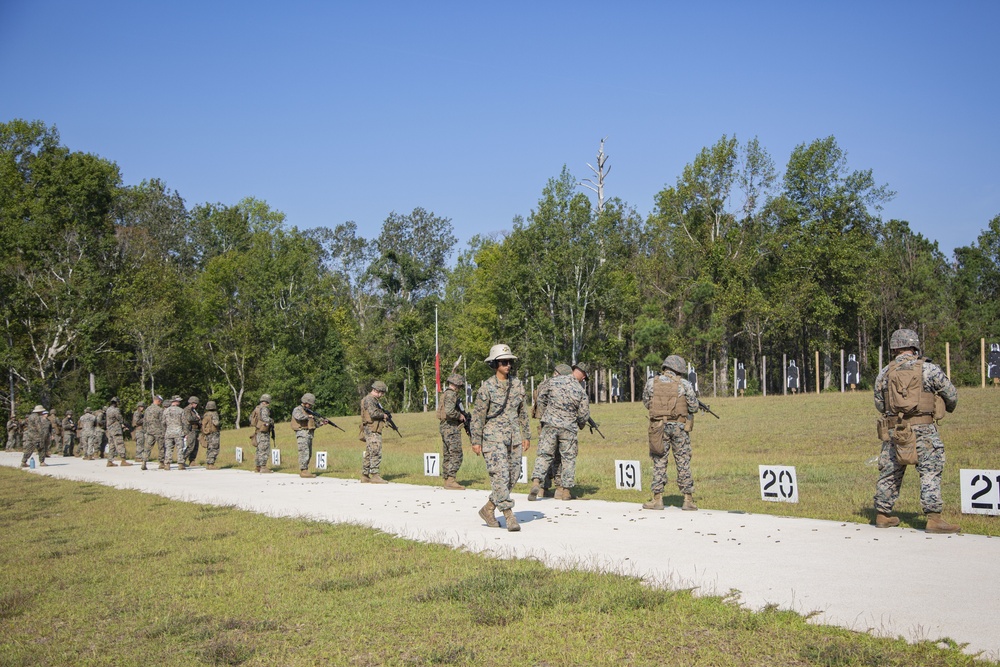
<point>37,429</point>
<point>304,425</point>
<point>88,434</point>
<point>262,436</point>
<point>372,421</point>
<point>930,449</point>
<point>210,423</point>
<point>192,429</point>
<point>116,437</point>
<point>451,434</point>
<point>152,426</point>
<point>173,434</point>
<point>564,409</point>
<point>13,434</point>
<point>54,438</point>
<point>139,431</point>
<point>675,438</point>
<point>499,425</point>
<point>69,433</point>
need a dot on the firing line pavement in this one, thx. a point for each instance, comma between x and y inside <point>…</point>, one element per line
<point>891,582</point>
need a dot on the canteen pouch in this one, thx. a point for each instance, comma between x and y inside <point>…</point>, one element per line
<point>440,408</point>
<point>361,433</point>
<point>905,441</point>
<point>689,424</point>
<point>939,409</point>
<point>656,437</point>
<point>882,428</point>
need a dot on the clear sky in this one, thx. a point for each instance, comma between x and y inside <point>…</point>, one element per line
<point>337,111</point>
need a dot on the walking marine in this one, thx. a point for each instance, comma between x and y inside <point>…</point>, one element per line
<point>453,420</point>
<point>564,409</point>
<point>672,404</point>
<point>911,395</point>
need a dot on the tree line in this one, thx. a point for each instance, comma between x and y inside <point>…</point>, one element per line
<point>113,289</point>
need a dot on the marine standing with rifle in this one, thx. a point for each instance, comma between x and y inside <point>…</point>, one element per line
<point>192,430</point>
<point>566,410</point>
<point>304,425</point>
<point>911,394</point>
<point>373,419</point>
<point>501,433</point>
<point>69,433</point>
<point>152,426</point>
<point>173,434</point>
<point>263,426</point>
<point>453,420</point>
<point>116,437</point>
<point>210,423</point>
<point>672,404</point>
<point>13,434</point>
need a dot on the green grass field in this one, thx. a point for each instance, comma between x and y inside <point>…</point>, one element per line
<point>829,438</point>
<point>99,576</point>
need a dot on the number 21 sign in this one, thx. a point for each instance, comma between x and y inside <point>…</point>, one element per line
<point>980,491</point>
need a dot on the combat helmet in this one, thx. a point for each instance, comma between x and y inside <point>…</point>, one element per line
<point>308,398</point>
<point>902,338</point>
<point>265,398</point>
<point>193,400</point>
<point>378,385</point>
<point>675,363</point>
<point>564,369</point>
<point>583,368</point>
<point>69,413</point>
<point>498,352</point>
<point>140,404</point>
<point>456,379</point>
<point>210,405</point>
<point>114,400</point>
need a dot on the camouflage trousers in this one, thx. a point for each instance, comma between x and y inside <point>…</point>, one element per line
<point>373,453</point>
<point>91,443</point>
<point>503,463</point>
<point>562,440</point>
<point>304,440</point>
<point>143,445</point>
<point>554,473</point>
<point>150,441</point>
<point>930,465</point>
<point>211,447</point>
<point>263,453</point>
<point>116,447</point>
<point>13,441</point>
<point>451,454</point>
<point>677,440</point>
<point>32,446</point>
<point>173,448</point>
<point>68,441</point>
<point>191,441</point>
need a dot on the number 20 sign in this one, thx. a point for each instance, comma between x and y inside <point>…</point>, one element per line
<point>778,484</point>
<point>980,491</point>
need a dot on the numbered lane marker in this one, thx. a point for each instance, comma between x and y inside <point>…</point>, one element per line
<point>276,457</point>
<point>980,491</point>
<point>239,455</point>
<point>778,484</point>
<point>628,475</point>
<point>431,465</point>
<point>523,479</point>
<point>320,460</point>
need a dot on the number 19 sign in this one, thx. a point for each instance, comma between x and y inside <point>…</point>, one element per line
<point>980,491</point>
<point>778,484</point>
<point>628,475</point>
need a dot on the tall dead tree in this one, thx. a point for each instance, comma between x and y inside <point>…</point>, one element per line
<point>601,174</point>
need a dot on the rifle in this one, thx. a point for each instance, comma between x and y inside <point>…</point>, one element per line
<point>468,417</point>
<point>388,419</point>
<point>322,419</point>
<point>594,426</point>
<point>706,408</point>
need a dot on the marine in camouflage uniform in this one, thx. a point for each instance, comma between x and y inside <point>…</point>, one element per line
<point>116,438</point>
<point>210,423</point>
<point>173,434</point>
<point>905,345</point>
<point>55,433</point>
<point>673,414</point>
<point>139,433</point>
<point>372,424</point>
<point>152,426</point>
<point>553,474</point>
<point>501,432</point>
<point>36,432</point>
<point>304,425</point>
<point>102,439</point>
<point>13,434</point>
<point>88,435</point>
<point>192,430</point>
<point>262,422</point>
<point>451,433</point>
<point>68,433</point>
<point>564,409</point>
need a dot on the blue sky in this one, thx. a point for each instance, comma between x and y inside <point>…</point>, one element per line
<point>346,111</point>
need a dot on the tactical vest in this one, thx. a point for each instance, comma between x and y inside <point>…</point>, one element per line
<point>905,395</point>
<point>256,421</point>
<point>441,411</point>
<point>208,424</point>
<point>308,423</point>
<point>667,403</point>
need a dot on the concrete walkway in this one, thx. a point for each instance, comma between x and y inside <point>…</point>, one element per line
<point>846,574</point>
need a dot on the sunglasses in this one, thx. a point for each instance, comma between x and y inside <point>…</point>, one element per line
<point>504,362</point>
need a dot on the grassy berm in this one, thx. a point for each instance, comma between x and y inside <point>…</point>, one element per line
<point>98,576</point>
<point>829,438</point>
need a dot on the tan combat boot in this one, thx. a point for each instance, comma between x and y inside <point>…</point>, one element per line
<point>512,525</point>
<point>110,464</point>
<point>689,505</point>
<point>143,466</point>
<point>377,479</point>
<point>563,493</point>
<point>536,489</point>
<point>125,463</point>
<point>883,520</point>
<point>452,484</point>
<point>365,479</point>
<point>655,504</point>
<point>486,512</point>
<point>210,466</point>
<point>938,526</point>
<point>43,464</point>
<point>265,470</point>
<point>303,473</point>
<point>182,466</point>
